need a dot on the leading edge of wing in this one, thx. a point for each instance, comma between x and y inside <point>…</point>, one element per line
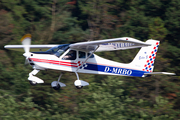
<point>109,44</point>
<point>33,48</point>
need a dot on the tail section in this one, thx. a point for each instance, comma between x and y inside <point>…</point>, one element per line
<point>145,58</point>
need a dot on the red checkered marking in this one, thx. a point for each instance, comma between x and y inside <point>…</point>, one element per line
<point>150,62</point>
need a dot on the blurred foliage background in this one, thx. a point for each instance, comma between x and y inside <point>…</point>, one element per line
<point>107,97</point>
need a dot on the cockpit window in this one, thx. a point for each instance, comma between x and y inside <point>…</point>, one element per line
<point>82,54</point>
<point>58,50</point>
<point>71,55</point>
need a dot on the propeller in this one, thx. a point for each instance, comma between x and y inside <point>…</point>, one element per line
<point>26,42</point>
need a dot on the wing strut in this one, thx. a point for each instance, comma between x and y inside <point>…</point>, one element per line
<point>86,59</point>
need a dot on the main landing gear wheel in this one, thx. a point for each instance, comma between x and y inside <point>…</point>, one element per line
<point>79,87</point>
<point>80,83</point>
<point>33,83</point>
<point>57,87</point>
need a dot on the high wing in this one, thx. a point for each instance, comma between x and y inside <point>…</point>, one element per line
<point>102,45</point>
<point>109,44</point>
<point>33,48</point>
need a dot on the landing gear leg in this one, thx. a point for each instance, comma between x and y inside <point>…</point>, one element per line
<point>77,86</point>
<point>57,84</point>
<point>33,79</point>
<point>80,83</point>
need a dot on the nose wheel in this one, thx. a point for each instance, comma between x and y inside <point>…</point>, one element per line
<point>33,83</point>
<point>79,87</point>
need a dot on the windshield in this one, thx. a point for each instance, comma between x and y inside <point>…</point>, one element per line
<point>58,50</point>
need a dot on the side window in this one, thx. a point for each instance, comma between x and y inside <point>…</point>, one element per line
<point>82,54</point>
<point>92,56</point>
<point>71,55</point>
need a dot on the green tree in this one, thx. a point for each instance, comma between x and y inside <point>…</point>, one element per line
<point>98,16</point>
<point>157,29</point>
<point>109,100</point>
<point>11,108</point>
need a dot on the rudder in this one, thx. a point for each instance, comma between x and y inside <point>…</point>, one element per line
<point>145,58</point>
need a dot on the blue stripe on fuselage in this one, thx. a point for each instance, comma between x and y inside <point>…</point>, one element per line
<point>114,70</point>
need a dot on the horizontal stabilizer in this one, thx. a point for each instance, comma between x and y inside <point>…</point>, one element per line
<point>159,73</point>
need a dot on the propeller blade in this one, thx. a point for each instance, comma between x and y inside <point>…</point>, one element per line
<point>26,41</point>
<point>26,61</point>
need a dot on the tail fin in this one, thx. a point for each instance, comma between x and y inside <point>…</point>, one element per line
<point>145,58</point>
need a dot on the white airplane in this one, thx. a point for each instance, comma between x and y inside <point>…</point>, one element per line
<point>80,58</point>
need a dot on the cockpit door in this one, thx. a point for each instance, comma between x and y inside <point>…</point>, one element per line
<point>69,60</point>
<point>71,55</point>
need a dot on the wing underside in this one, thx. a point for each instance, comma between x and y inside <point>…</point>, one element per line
<point>102,45</point>
<point>109,44</point>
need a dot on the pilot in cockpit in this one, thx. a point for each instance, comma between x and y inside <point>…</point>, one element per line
<point>71,55</point>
